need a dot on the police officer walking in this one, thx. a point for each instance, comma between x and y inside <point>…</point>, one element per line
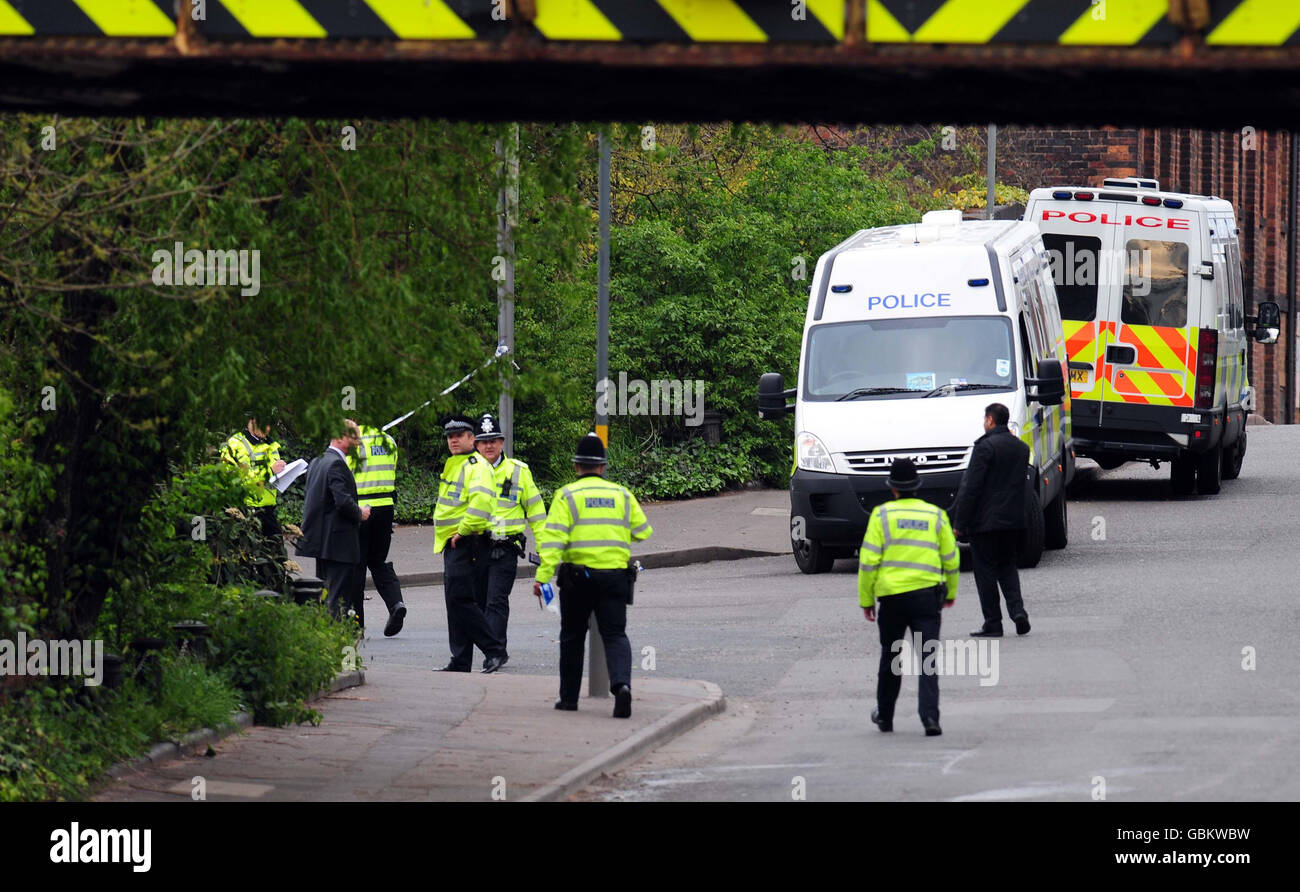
<point>460,530</point>
<point>909,564</point>
<point>518,503</point>
<point>588,536</point>
<point>257,456</point>
<point>374,467</point>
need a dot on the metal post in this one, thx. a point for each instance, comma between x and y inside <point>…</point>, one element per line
<point>507,220</point>
<point>1291,259</point>
<point>602,293</point>
<point>991,176</point>
<point>597,672</point>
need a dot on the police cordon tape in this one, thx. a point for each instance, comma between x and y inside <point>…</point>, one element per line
<point>501,351</point>
<point>1062,22</point>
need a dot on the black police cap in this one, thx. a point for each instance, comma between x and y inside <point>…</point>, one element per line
<point>488,428</point>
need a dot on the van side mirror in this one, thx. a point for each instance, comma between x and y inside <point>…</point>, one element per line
<point>1268,322</point>
<point>1049,386</point>
<point>772,397</point>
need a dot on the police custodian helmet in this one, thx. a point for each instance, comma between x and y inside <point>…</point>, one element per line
<point>590,451</point>
<point>902,475</point>
<point>488,428</point>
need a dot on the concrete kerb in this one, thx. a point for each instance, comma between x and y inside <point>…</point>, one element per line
<point>677,722</point>
<point>167,750</point>
<point>654,560</point>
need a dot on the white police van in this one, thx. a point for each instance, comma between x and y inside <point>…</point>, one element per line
<point>910,332</point>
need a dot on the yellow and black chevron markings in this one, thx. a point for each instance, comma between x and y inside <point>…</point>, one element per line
<point>1078,22</point>
<point>253,19</point>
<point>687,21</point>
<point>87,18</point>
<point>1064,22</point>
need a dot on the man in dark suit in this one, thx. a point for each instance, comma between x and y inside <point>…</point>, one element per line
<point>991,512</point>
<point>331,520</point>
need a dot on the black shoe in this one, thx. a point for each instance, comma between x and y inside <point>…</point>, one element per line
<point>883,726</point>
<point>452,667</point>
<point>1022,623</point>
<point>395,620</point>
<point>492,664</point>
<point>988,631</point>
<point>932,728</point>
<point>566,705</point>
<point>622,702</point>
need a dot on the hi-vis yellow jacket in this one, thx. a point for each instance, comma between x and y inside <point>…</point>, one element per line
<point>592,523</point>
<point>374,467</point>
<point>465,499</point>
<point>909,545</point>
<point>254,460</point>
<point>517,500</point>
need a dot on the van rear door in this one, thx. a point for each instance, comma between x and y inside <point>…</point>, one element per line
<point>1152,360</point>
<point>1080,243</point>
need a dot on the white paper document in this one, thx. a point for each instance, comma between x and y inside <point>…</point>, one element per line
<point>291,472</point>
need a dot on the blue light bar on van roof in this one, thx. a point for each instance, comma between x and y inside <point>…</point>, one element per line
<point>1173,203</point>
<point>841,289</point>
<point>977,283</point>
<point>1062,195</point>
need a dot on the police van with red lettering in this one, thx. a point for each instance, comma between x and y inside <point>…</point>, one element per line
<point>1150,289</point>
<point>910,332</point>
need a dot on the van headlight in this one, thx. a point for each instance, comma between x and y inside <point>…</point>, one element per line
<point>812,454</point>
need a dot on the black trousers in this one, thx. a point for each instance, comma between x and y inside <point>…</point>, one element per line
<point>917,611</point>
<point>994,557</point>
<point>270,521</point>
<point>339,578</point>
<point>605,593</point>
<point>376,538</point>
<point>492,584</point>
<point>467,626</point>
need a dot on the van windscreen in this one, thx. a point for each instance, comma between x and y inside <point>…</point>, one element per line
<point>1076,265</point>
<point>893,357</point>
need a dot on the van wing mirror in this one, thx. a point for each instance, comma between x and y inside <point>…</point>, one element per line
<point>1268,322</point>
<point>1049,387</point>
<point>772,397</point>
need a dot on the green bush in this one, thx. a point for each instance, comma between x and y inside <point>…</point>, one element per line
<point>679,471</point>
<point>278,653</point>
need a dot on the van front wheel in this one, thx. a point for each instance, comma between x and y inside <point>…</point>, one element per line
<point>812,556</point>
<point>1233,458</point>
<point>1056,531</point>
<point>1031,540</point>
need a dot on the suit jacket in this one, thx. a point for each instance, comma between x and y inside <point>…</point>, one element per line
<point>993,493</point>
<point>331,517</point>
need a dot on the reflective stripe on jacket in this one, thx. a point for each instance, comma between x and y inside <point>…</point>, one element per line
<point>465,499</point>
<point>518,502</point>
<point>376,470</point>
<point>255,461</point>
<point>592,522</point>
<point>909,545</point>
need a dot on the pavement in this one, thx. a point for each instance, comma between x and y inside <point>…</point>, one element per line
<point>754,523</point>
<point>411,733</point>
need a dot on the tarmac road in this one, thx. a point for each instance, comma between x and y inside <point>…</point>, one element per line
<point>1134,677</point>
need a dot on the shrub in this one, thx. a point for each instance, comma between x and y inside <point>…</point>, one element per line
<point>278,653</point>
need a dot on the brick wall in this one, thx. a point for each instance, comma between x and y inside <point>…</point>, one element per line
<point>1247,168</point>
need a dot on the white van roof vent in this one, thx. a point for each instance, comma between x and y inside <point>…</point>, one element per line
<point>941,218</point>
<point>1132,183</point>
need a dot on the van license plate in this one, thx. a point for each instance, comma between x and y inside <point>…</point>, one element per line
<point>1078,376</point>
